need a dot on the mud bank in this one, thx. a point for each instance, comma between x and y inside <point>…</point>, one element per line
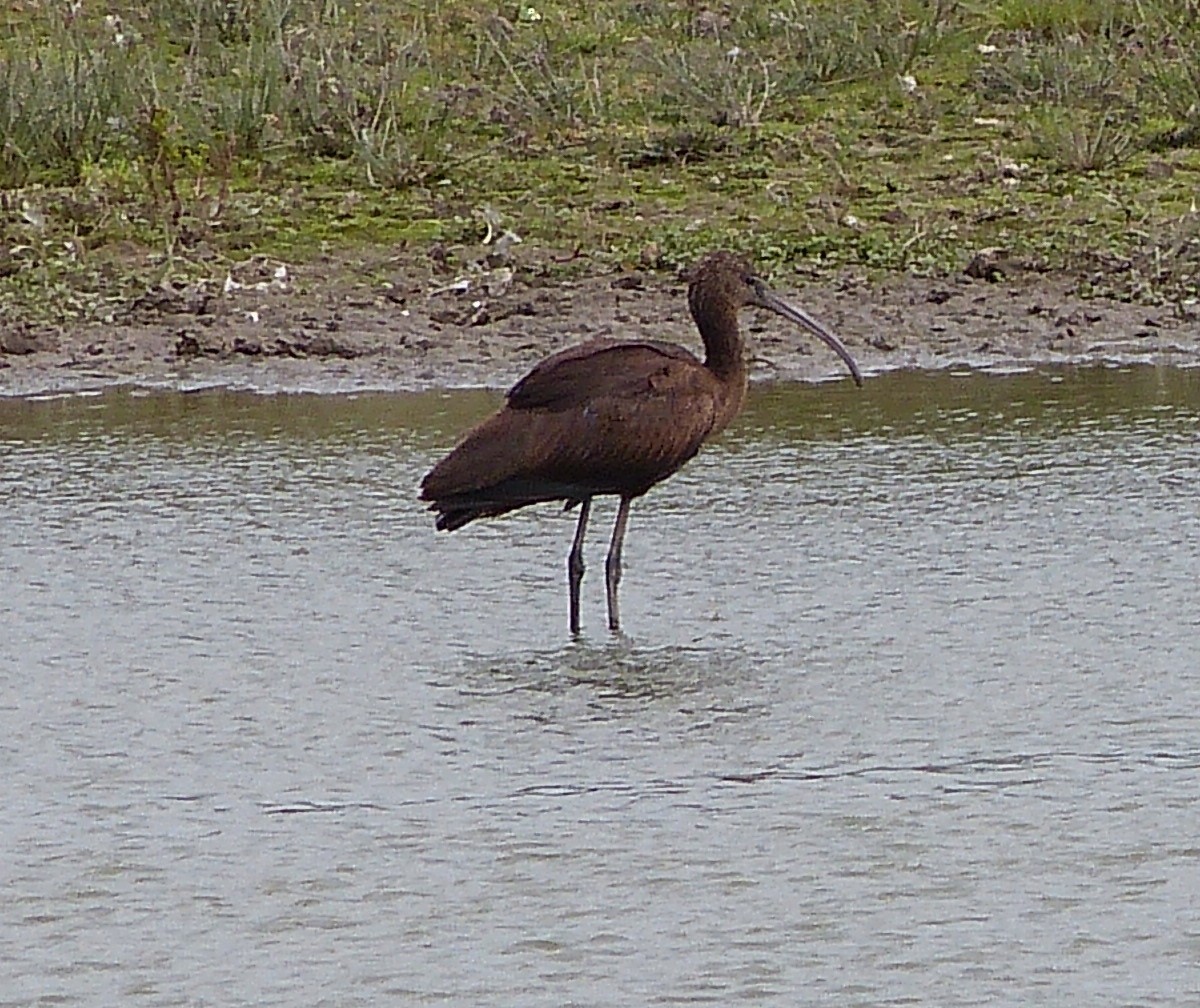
<point>297,333</point>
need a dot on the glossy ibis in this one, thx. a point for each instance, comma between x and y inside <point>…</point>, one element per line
<point>611,417</point>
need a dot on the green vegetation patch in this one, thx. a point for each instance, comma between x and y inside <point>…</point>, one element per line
<point>167,139</point>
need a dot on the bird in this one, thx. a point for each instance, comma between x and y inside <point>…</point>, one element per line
<point>612,417</point>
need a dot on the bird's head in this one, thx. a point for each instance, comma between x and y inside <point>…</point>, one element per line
<point>724,280</point>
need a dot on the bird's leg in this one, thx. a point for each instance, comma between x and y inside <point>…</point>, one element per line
<point>575,562</point>
<point>612,566</point>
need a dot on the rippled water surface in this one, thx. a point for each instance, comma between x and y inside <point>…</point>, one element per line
<point>907,713</point>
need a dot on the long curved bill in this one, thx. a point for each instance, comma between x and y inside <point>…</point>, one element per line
<point>769,299</point>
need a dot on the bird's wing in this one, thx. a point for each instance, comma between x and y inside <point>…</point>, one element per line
<point>601,370</point>
<point>619,417</point>
<point>605,417</point>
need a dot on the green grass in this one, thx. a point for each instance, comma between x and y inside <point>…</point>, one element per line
<point>170,138</point>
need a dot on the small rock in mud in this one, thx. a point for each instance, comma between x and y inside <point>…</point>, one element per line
<point>22,339</point>
<point>324,345</point>
<point>475,314</point>
<point>191,344</point>
<point>1078,317</point>
<point>987,264</point>
<point>502,312</point>
<point>630,281</point>
<point>167,300</point>
<point>302,344</point>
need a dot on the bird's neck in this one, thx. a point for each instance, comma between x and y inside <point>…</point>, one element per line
<point>723,353</point>
<point>724,356</point>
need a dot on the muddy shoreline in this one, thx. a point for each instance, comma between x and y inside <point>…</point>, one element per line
<point>279,330</point>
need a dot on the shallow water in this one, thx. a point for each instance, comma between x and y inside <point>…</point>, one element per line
<point>906,713</point>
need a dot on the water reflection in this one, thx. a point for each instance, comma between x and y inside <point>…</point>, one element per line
<point>903,716</point>
<point>618,670</point>
<point>948,405</point>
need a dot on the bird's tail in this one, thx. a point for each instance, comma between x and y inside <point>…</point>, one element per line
<point>493,470</point>
<point>456,510</point>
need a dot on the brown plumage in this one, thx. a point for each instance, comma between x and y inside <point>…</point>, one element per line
<point>611,417</point>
